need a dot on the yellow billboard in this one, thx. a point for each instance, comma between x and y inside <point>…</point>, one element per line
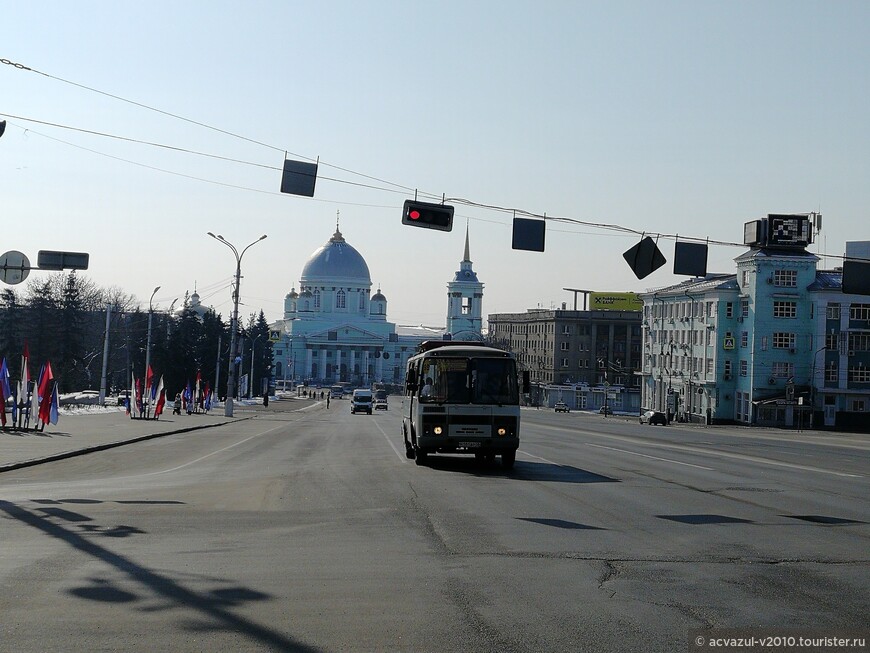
<point>615,301</point>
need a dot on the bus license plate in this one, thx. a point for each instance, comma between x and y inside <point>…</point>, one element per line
<point>469,445</point>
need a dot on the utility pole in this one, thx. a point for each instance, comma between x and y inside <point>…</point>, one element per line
<point>105,356</point>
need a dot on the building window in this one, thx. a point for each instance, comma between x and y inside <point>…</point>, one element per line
<point>316,299</point>
<point>729,309</point>
<point>580,400</point>
<point>563,346</point>
<point>859,374</point>
<point>727,368</point>
<point>466,305</point>
<point>564,362</point>
<point>785,309</point>
<point>744,368</point>
<point>782,340</point>
<point>831,373</point>
<point>566,329</point>
<point>858,406</point>
<point>832,311</point>
<point>744,278</point>
<point>340,299</point>
<point>744,308</point>
<point>744,339</point>
<point>859,342</point>
<point>832,341</point>
<point>859,312</point>
<point>785,278</point>
<point>783,370</point>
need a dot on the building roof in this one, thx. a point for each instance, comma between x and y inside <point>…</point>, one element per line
<point>827,280</point>
<point>336,261</point>
<point>766,252</point>
<point>713,281</point>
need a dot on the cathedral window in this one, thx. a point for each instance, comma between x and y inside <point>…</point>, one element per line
<point>362,300</point>
<point>316,299</point>
<point>466,305</point>
<point>340,299</point>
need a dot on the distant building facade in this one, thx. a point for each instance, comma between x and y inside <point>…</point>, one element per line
<point>777,343</point>
<point>575,356</point>
<point>335,331</point>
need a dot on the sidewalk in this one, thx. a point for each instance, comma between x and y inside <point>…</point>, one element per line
<point>86,432</point>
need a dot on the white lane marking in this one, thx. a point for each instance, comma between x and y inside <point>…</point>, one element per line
<point>209,455</point>
<point>705,452</point>
<point>401,456</point>
<point>643,455</point>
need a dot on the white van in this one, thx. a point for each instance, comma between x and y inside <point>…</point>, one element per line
<point>361,402</point>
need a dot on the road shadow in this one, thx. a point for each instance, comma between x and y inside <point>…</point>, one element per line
<point>522,470</point>
<point>213,605</point>
<point>560,523</point>
<point>705,519</point>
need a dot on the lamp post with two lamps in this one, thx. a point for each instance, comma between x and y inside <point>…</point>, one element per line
<point>231,376</point>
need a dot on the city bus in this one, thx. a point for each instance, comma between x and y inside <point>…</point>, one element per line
<point>463,398</point>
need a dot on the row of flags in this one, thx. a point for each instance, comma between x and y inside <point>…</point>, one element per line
<point>37,401</point>
<point>147,401</point>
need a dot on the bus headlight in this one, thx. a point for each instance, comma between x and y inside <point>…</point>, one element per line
<point>502,431</point>
<point>437,430</point>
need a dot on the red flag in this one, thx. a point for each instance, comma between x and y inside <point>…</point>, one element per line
<point>149,378</point>
<point>44,395</point>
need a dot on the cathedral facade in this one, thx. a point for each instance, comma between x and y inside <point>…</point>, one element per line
<point>335,331</point>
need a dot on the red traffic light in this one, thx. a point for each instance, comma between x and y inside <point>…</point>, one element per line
<point>428,215</point>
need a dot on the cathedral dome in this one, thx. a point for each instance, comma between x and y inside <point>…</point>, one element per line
<point>336,261</point>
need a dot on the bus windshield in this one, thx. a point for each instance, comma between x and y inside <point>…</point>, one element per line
<point>469,380</point>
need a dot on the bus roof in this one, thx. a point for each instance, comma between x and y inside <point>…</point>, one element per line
<point>459,348</point>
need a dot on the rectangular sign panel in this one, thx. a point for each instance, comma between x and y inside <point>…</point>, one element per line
<point>615,301</point>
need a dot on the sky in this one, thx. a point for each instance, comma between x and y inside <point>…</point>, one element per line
<point>665,117</point>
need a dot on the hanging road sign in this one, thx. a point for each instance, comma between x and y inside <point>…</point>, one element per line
<point>51,260</point>
<point>14,267</point>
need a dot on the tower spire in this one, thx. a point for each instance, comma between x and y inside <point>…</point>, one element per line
<point>467,251</point>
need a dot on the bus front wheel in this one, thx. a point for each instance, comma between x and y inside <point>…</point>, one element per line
<point>420,457</point>
<point>508,458</point>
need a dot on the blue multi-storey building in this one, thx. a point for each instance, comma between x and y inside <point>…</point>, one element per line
<point>777,343</point>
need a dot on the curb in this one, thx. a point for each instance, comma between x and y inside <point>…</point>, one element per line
<point>8,467</point>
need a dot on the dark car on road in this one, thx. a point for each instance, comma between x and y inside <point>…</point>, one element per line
<point>561,407</point>
<point>653,417</point>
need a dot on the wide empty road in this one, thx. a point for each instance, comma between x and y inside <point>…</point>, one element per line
<point>311,531</point>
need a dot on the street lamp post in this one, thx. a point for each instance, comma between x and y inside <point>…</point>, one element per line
<point>231,376</point>
<point>251,380</point>
<point>145,389</point>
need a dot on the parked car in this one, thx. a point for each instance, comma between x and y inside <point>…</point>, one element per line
<point>653,417</point>
<point>561,407</point>
<point>605,410</point>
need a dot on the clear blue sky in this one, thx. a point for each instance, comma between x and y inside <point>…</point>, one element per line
<point>668,117</point>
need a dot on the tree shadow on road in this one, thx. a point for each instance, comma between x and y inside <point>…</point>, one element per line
<point>213,605</point>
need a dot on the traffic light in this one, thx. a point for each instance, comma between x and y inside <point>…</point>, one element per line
<point>430,216</point>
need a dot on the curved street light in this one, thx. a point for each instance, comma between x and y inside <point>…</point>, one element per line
<point>231,377</point>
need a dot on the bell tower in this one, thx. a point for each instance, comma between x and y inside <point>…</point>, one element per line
<point>465,301</point>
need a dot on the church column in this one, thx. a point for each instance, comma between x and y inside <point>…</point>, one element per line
<point>351,363</point>
<point>365,370</point>
<point>322,370</point>
<point>337,364</point>
<point>379,368</point>
<point>309,361</point>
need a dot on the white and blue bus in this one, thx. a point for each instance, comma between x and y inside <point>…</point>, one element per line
<point>462,398</point>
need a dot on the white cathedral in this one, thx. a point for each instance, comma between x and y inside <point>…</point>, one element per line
<point>335,331</point>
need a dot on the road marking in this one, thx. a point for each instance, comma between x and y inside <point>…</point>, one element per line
<point>643,455</point>
<point>703,452</point>
<point>208,455</point>
<point>401,456</point>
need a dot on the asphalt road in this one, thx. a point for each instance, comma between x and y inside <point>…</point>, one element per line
<point>311,531</point>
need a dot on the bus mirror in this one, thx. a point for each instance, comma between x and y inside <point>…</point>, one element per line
<point>411,381</point>
<point>527,382</point>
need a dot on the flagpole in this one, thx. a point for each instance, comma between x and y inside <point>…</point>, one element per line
<point>146,390</point>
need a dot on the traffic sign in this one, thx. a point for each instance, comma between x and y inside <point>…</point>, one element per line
<point>14,267</point>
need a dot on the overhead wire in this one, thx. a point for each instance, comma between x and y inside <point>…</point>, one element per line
<point>514,211</point>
